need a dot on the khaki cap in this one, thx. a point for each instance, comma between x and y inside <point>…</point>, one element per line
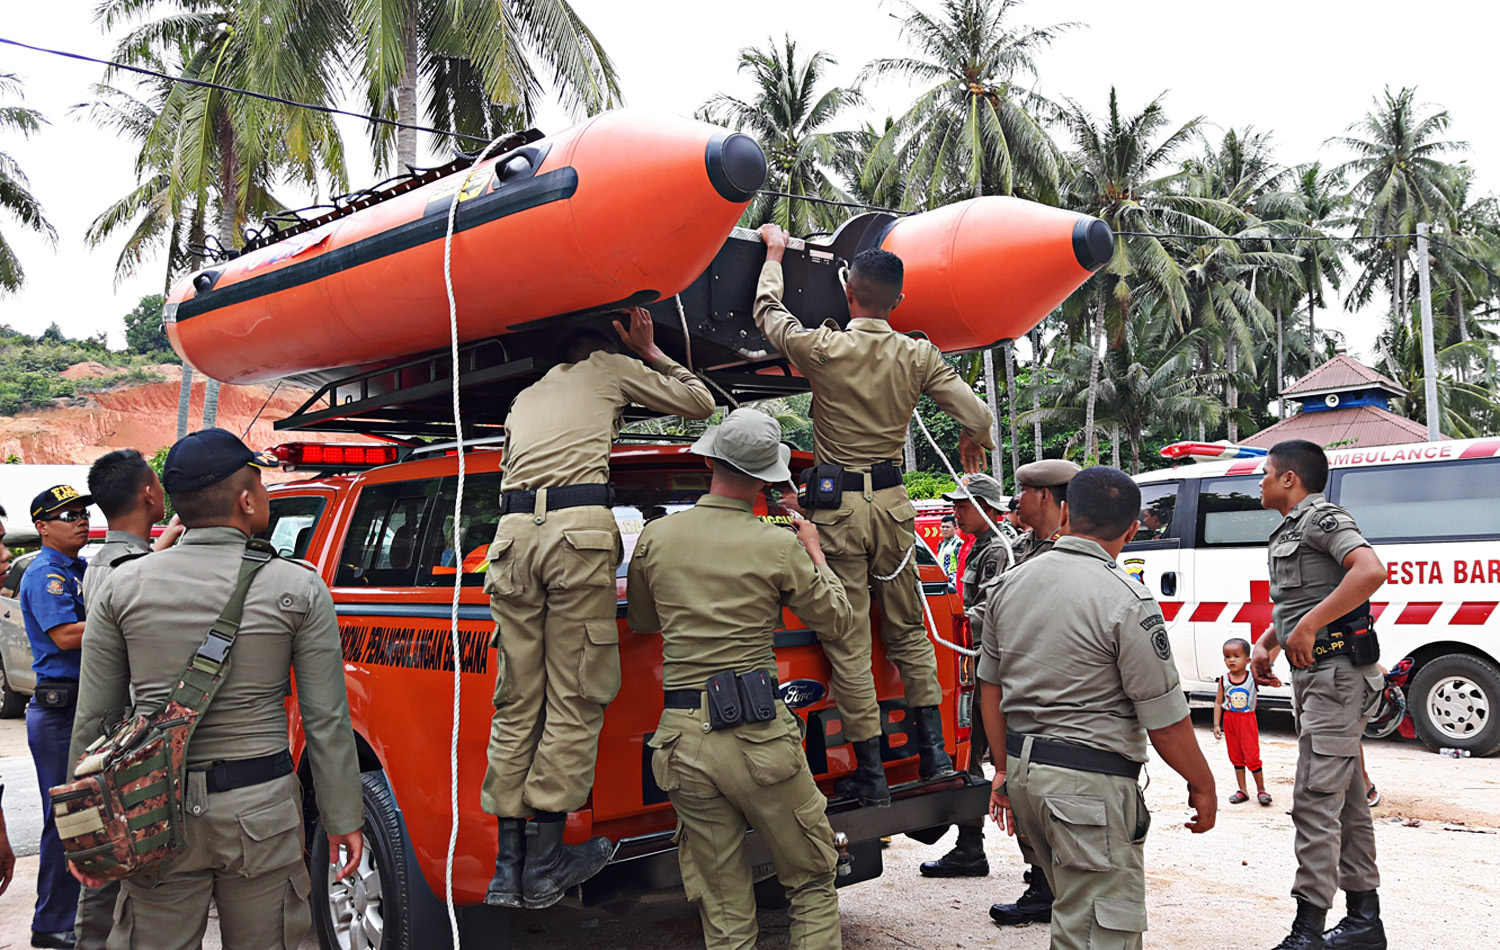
<point>1046,473</point>
<point>978,487</point>
<point>749,440</point>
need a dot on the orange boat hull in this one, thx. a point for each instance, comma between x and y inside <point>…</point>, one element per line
<point>623,209</point>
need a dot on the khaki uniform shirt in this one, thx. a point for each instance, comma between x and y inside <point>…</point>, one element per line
<point>560,428</point>
<point>1306,556</point>
<point>866,381</point>
<point>117,544</point>
<point>713,580</point>
<point>1080,652</point>
<point>976,602</point>
<point>154,613</point>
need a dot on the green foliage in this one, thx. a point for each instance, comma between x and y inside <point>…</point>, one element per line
<point>31,368</point>
<point>927,485</point>
<point>157,463</point>
<point>144,333</point>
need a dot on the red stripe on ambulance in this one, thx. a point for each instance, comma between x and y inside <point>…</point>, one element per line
<point>1481,450</point>
<point>1474,613</point>
<point>1419,612</point>
<point>1208,612</point>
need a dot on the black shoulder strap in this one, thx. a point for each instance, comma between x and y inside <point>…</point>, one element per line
<point>132,556</point>
<point>210,663</point>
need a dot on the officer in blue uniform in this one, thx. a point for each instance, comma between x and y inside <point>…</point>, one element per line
<point>51,598</point>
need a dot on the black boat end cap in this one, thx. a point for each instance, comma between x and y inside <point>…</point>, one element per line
<point>1093,243</point>
<point>736,166</point>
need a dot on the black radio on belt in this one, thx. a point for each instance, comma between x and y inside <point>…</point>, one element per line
<point>822,487</point>
<point>736,700</point>
<point>56,694</point>
<point>1352,635</point>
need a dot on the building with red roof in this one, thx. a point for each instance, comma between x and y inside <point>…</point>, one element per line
<point>1344,404</point>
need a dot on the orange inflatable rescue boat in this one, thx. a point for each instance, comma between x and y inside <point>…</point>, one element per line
<point>622,209</point>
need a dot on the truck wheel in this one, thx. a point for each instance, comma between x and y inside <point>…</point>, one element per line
<point>368,909</point>
<point>1454,703</point>
<point>12,703</point>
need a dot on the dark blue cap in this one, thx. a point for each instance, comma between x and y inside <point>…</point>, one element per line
<point>57,498</point>
<point>206,458</point>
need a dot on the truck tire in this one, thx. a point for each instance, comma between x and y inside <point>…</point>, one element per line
<point>1454,703</point>
<point>12,703</point>
<point>369,909</point>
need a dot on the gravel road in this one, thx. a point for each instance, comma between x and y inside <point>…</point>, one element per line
<point>1436,829</point>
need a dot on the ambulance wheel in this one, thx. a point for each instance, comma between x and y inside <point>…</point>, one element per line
<point>368,909</point>
<point>1454,703</point>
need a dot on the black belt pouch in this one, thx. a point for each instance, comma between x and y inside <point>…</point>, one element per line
<point>725,711</point>
<point>758,693</point>
<point>823,487</point>
<point>1359,627</point>
<point>56,694</point>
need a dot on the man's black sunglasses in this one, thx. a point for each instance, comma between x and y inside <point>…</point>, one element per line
<point>69,516</point>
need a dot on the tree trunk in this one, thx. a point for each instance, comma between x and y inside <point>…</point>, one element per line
<point>1114,447</point>
<point>1036,398</point>
<point>1231,389</point>
<point>1463,331</point>
<point>1135,452</point>
<point>1280,367</point>
<point>406,91</point>
<point>1010,404</point>
<point>1090,446</point>
<point>229,219</point>
<point>909,452</point>
<point>1312,334</point>
<point>993,399</point>
<point>185,386</point>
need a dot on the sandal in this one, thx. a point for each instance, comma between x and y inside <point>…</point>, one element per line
<point>1238,798</point>
<point>1264,798</point>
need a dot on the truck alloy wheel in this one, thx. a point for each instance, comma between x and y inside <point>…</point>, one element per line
<point>1454,701</point>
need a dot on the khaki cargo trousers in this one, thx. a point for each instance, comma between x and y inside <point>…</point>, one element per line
<point>1335,841</point>
<point>552,595</point>
<point>244,853</point>
<point>865,541</point>
<point>1087,832</point>
<point>754,776</point>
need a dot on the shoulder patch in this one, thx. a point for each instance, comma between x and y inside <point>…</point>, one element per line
<point>1155,620</point>
<point>1161,644</point>
<point>1328,522</point>
<point>54,584</point>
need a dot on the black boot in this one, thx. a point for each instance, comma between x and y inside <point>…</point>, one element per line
<point>867,783</point>
<point>505,886</point>
<point>1361,928</point>
<point>1034,905</point>
<point>933,760</point>
<point>965,860</point>
<point>1307,929</point>
<point>552,867</point>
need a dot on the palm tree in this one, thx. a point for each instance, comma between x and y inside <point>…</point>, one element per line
<point>1324,197</point>
<point>1466,409</point>
<point>790,114</point>
<point>480,62</point>
<point>220,152</point>
<point>1399,180</point>
<point>1119,175</point>
<point>975,129</point>
<point>16,198</point>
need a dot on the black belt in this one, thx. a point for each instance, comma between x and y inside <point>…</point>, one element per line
<point>1067,755</point>
<point>686,698</point>
<point>563,496</point>
<point>242,773</point>
<point>882,475</point>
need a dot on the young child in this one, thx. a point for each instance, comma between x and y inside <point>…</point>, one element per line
<point>1234,717</point>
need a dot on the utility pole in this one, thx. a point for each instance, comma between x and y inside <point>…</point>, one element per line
<point>996,429</point>
<point>1429,356</point>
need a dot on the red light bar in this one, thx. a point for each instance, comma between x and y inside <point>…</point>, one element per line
<point>334,455</point>
<point>1210,450</point>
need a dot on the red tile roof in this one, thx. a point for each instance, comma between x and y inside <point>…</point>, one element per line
<point>1357,426</point>
<point>1341,373</point>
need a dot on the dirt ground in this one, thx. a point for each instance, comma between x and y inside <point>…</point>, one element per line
<point>1436,828</point>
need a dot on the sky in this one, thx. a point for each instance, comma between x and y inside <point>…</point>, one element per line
<point>1302,70</point>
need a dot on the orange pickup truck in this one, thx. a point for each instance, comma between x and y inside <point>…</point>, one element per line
<point>383,539</point>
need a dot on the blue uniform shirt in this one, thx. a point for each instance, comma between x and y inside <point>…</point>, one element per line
<point>51,595</point>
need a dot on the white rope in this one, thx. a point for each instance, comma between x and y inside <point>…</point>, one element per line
<point>899,567</point>
<point>457,539</point>
<point>687,341</point>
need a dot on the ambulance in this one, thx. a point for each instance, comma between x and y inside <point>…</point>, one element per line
<point>1431,511</point>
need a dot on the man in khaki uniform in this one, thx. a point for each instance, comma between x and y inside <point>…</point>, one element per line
<point>866,381</point>
<point>130,495</point>
<point>1071,688</point>
<point>244,804</point>
<point>1323,573</point>
<point>1044,490</point>
<point>712,579</point>
<point>551,581</point>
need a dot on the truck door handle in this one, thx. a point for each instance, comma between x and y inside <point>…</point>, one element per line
<point>1168,583</point>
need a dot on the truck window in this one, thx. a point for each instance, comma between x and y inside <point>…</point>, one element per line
<point>1229,512</point>
<point>476,531</point>
<point>1158,505</point>
<point>293,518</point>
<point>381,547</point>
<point>1448,500</point>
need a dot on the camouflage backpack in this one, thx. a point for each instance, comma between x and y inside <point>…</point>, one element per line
<point>124,812</point>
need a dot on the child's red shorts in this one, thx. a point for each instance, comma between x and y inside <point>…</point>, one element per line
<point>1242,736</point>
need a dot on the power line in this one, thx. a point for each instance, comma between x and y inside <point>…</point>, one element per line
<point>1268,238</point>
<point>205,84</point>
